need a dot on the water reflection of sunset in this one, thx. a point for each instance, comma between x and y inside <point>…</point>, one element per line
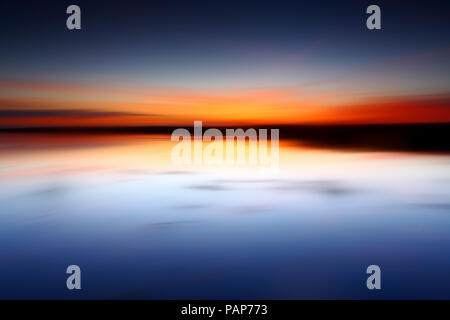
<point>121,196</point>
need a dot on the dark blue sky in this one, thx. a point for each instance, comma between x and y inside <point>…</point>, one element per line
<point>167,38</point>
<point>230,45</point>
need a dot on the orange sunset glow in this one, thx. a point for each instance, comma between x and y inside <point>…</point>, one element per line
<point>40,104</point>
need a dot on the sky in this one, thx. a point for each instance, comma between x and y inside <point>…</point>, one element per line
<point>223,62</point>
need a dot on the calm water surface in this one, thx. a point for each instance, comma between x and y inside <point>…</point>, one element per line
<point>141,227</point>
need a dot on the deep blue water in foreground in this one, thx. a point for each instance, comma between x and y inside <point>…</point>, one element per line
<point>141,227</point>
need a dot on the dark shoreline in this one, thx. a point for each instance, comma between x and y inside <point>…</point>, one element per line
<point>393,137</point>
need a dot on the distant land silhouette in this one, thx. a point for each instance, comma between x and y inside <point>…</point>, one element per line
<point>432,137</point>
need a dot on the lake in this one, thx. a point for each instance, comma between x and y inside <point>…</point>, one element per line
<point>141,227</point>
